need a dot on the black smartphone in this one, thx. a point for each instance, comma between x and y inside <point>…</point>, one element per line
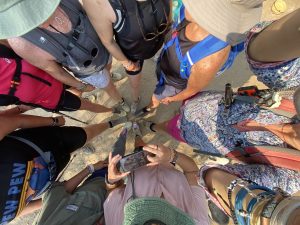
<point>133,161</point>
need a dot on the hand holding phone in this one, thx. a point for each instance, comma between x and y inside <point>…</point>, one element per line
<point>114,175</point>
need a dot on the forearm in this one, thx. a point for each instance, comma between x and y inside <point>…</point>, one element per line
<point>185,94</point>
<point>186,163</point>
<point>11,112</point>
<point>63,76</point>
<point>11,123</point>
<point>189,168</point>
<point>72,184</point>
<point>115,50</point>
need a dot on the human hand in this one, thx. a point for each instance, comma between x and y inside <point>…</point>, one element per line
<point>113,174</point>
<point>167,100</point>
<point>131,66</point>
<point>100,164</point>
<point>160,154</point>
<point>83,87</point>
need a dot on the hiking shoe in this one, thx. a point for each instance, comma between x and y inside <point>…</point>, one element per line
<point>136,129</point>
<point>118,121</point>
<point>142,112</point>
<point>134,106</point>
<point>117,76</point>
<point>123,106</point>
<point>120,112</point>
<point>89,148</point>
<point>146,126</point>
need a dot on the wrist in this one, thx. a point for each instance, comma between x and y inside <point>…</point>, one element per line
<point>110,182</point>
<point>54,121</point>
<point>81,86</point>
<point>91,168</point>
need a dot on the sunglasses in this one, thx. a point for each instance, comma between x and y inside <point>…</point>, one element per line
<point>160,27</point>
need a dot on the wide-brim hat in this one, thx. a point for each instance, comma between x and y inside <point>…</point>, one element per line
<point>151,209</point>
<point>227,20</point>
<point>17,17</point>
<point>284,210</point>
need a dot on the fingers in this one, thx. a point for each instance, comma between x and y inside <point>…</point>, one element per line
<point>151,158</point>
<point>115,160</point>
<point>109,157</point>
<point>151,148</point>
<point>122,175</point>
<point>152,164</point>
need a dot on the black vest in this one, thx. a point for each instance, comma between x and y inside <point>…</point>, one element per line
<point>80,50</point>
<point>133,18</point>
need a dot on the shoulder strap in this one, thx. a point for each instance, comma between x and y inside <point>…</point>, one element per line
<point>208,46</point>
<point>6,100</point>
<point>6,52</point>
<point>46,157</point>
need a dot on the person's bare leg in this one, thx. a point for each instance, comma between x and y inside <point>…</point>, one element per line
<point>93,107</point>
<point>217,182</point>
<point>135,81</point>
<point>161,126</point>
<point>94,130</point>
<point>139,142</point>
<point>112,91</point>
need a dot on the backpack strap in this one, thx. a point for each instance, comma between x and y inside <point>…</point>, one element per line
<point>6,52</point>
<point>206,47</point>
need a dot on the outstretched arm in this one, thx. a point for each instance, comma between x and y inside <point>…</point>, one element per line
<point>203,72</point>
<point>280,41</point>
<point>11,123</point>
<point>46,62</point>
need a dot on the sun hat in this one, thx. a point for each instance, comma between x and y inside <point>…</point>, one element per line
<point>156,210</point>
<point>17,17</point>
<point>284,210</point>
<point>225,19</point>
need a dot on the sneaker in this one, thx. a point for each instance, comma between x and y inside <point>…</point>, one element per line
<point>117,76</point>
<point>123,106</point>
<point>146,126</point>
<point>134,106</point>
<point>118,121</point>
<point>119,112</point>
<point>136,129</point>
<point>89,148</point>
<point>142,112</point>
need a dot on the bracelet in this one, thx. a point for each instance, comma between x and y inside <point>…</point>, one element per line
<point>82,87</point>
<point>91,168</point>
<point>107,181</point>
<point>19,109</point>
<point>175,157</point>
<point>54,121</point>
<point>128,65</point>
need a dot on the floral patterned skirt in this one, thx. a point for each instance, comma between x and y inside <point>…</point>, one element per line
<point>204,125</point>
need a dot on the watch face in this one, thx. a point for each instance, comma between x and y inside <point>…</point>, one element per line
<point>133,161</point>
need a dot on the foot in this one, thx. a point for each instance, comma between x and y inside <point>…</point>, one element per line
<point>118,121</point>
<point>123,106</point>
<point>117,76</point>
<point>146,126</point>
<point>134,105</point>
<point>119,111</point>
<point>136,129</point>
<point>89,148</point>
<point>142,112</point>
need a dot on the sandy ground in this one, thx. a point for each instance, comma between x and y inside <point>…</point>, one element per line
<point>238,75</point>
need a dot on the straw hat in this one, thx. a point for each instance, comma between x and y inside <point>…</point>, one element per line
<point>17,17</point>
<point>154,210</point>
<point>225,19</point>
